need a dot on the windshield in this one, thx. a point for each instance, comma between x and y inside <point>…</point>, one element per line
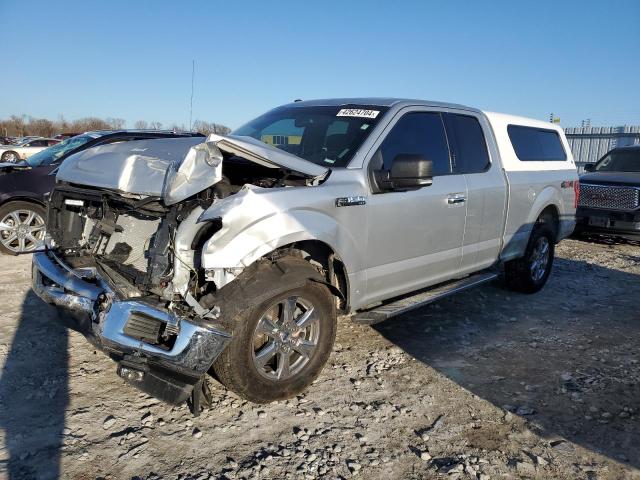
<point>620,161</point>
<point>327,135</point>
<point>51,154</point>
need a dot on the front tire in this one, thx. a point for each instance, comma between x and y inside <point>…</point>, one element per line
<point>22,227</point>
<point>531,272</point>
<point>281,342</point>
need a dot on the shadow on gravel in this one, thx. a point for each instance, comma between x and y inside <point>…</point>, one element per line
<point>566,358</point>
<point>605,240</point>
<point>34,393</point>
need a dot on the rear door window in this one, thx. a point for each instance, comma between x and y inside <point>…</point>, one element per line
<point>418,133</point>
<point>469,147</point>
<point>536,144</point>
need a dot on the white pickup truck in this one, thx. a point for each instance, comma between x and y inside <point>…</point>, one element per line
<point>234,256</point>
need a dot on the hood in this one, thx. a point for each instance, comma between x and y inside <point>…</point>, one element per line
<point>612,178</point>
<point>137,166</point>
<point>265,154</point>
<point>149,167</point>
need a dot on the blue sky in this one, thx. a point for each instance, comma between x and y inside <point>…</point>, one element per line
<point>577,59</point>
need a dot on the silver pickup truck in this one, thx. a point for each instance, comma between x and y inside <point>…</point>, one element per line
<point>235,255</point>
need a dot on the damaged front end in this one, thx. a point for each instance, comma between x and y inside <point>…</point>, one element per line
<point>159,352</point>
<point>112,270</point>
<point>123,255</point>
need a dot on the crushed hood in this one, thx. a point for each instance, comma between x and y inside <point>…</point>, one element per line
<point>145,166</point>
<point>264,154</point>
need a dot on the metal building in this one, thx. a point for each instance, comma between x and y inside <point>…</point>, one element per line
<point>589,144</point>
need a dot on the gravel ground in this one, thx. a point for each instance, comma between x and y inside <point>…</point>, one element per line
<point>488,384</point>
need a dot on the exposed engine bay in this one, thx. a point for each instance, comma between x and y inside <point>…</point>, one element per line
<point>131,239</point>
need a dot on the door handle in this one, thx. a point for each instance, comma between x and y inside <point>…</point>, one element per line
<point>454,198</point>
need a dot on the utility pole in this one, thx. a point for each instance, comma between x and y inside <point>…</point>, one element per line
<point>193,71</point>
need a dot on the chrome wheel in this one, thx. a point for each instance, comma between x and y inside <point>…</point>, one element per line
<point>21,230</point>
<point>540,259</point>
<point>10,157</point>
<point>285,338</point>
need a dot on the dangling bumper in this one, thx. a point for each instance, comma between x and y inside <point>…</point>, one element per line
<point>125,329</point>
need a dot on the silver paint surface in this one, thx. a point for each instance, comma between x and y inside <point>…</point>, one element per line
<point>195,348</point>
<point>395,243</point>
<point>172,168</point>
<point>137,167</point>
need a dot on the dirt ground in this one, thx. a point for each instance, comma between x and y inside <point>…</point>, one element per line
<point>487,384</point>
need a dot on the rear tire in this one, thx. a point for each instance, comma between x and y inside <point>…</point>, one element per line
<point>282,340</point>
<point>10,157</point>
<point>530,273</point>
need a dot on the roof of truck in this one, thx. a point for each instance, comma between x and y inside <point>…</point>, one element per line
<point>507,119</point>
<point>375,101</point>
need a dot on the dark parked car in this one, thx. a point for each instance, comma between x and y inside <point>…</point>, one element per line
<point>64,136</point>
<point>610,195</point>
<point>25,185</point>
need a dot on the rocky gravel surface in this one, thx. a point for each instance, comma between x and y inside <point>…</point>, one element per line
<point>488,384</point>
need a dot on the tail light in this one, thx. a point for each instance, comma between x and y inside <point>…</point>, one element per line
<point>576,190</point>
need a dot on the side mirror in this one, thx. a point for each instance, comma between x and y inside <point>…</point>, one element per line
<point>408,172</point>
<point>589,167</point>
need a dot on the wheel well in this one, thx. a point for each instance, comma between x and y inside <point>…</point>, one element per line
<point>22,199</point>
<point>322,257</point>
<point>551,215</point>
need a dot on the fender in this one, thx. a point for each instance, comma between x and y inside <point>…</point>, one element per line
<point>257,221</point>
<point>22,196</point>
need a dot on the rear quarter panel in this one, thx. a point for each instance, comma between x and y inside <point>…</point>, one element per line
<point>533,186</point>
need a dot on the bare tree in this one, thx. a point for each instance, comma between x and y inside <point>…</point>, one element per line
<point>90,123</point>
<point>41,127</point>
<point>209,127</point>
<point>116,123</point>
<point>15,126</point>
<point>22,125</point>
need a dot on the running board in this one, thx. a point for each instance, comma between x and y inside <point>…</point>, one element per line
<point>424,297</point>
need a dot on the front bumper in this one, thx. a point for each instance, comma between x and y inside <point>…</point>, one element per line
<point>608,222</point>
<point>90,308</point>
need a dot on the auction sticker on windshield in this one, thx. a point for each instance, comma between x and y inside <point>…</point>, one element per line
<point>357,112</point>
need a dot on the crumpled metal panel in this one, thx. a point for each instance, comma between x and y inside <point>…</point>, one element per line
<point>137,167</point>
<point>265,154</point>
<point>172,168</point>
<point>201,168</point>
